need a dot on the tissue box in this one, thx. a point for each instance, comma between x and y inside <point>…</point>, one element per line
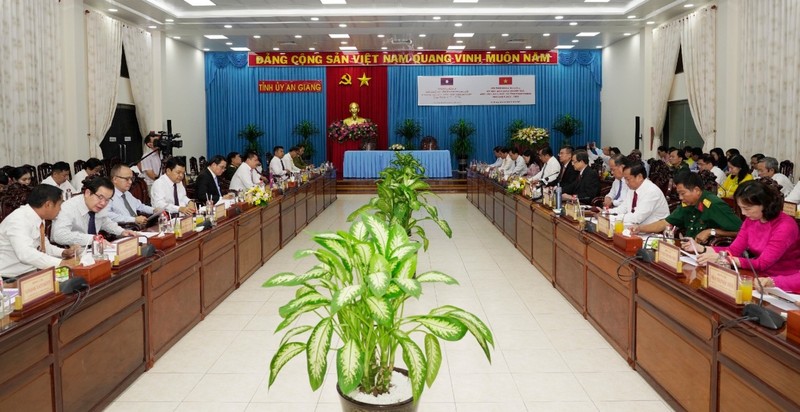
<point>163,242</point>
<point>628,244</point>
<point>94,274</point>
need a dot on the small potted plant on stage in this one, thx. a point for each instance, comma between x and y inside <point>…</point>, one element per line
<point>568,126</point>
<point>252,133</point>
<point>305,129</point>
<point>462,146</point>
<point>409,130</point>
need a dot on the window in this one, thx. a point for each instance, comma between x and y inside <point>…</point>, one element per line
<point>679,130</point>
<point>123,139</point>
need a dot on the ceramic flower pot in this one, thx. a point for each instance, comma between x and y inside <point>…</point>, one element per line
<point>352,405</point>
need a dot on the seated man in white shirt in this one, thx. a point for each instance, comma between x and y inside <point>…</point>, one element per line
<point>518,166</point>
<point>124,206</point>
<point>150,165</point>
<point>645,203</point>
<point>498,155</point>
<point>23,246</point>
<point>548,174</point>
<point>168,192</point>
<point>508,162</point>
<point>276,165</point>
<point>288,160</point>
<point>59,177</point>
<point>247,175</point>
<point>619,189</point>
<point>82,217</point>
<point>91,168</point>
<point>706,162</point>
<point>768,167</point>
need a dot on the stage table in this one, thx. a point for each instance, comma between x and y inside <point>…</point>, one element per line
<point>364,164</point>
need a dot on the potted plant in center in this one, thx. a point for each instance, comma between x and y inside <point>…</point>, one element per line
<point>409,130</point>
<point>462,146</point>
<point>568,126</point>
<point>252,133</point>
<point>305,129</point>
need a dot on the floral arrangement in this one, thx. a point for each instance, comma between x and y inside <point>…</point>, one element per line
<point>531,136</point>
<point>358,131</point>
<point>516,186</point>
<point>397,146</point>
<point>258,196</point>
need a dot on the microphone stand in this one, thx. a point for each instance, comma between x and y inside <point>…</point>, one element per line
<point>765,318</point>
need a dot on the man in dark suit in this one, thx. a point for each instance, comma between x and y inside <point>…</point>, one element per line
<point>587,185</point>
<point>568,173</point>
<point>207,183</point>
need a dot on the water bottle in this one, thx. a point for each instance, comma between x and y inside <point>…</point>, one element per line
<point>722,259</point>
<point>97,247</point>
<point>558,196</point>
<point>162,223</point>
<point>67,194</point>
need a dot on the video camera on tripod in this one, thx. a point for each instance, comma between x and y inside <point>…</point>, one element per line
<point>167,140</point>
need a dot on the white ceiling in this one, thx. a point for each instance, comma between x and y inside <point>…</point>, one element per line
<point>278,22</point>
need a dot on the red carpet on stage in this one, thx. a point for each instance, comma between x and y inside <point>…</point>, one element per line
<point>366,86</point>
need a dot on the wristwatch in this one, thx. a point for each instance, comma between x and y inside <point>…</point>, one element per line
<point>714,232</point>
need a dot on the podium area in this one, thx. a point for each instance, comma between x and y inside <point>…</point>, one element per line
<point>367,164</point>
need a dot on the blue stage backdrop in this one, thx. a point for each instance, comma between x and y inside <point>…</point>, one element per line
<point>232,101</point>
<point>572,86</point>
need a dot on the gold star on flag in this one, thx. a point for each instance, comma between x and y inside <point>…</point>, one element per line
<point>364,80</point>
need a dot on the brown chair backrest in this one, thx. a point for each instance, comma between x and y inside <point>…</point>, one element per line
<point>202,163</point>
<point>429,143</point>
<point>193,165</point>
<point>787,168</point>
<point>44,169</point>
<point>139,190</point>
<point>13,197</point>
<point>78,165</point>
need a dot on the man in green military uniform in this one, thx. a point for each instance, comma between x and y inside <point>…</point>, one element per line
<point>701,215</point>
<point>298,160</point>
<point>676,162</point>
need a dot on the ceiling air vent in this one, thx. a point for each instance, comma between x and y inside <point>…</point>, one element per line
<point>287,43</point>
<point>401,41</point>
<point>516,41</point>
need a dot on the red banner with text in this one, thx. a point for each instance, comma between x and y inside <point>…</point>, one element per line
<point>403,58</point>
<point>290,86</point>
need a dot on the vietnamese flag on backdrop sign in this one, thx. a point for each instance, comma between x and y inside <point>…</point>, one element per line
<point>505,80</point>
<point>365,85</point>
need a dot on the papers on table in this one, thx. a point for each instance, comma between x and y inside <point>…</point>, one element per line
<point>688,258</point>
<point>779,298</point>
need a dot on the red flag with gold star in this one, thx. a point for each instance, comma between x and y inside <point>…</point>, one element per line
<point>506,81</point>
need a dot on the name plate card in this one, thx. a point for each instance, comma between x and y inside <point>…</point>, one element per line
<point>571,210</point>
<point>790,209</point>
<point>723,280</point>
<point>604,227</point>
<point>669,256</point>
<point>219,212</point>
<point>35,286</point>
<point>187,226</point>
<point>127,248</point>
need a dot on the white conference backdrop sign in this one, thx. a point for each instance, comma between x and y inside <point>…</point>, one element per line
<point>475,90</point>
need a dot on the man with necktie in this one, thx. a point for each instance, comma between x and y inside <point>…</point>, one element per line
<point>207,183</point>
<point>645,202</point>
<point>276,165</point>
<point>567,175</point>
<point>82,217</point>
<point>619,189</point>
<point>246,175</point>
<point>168,192</point>
<point>587,183</point>
<point>124,206</point>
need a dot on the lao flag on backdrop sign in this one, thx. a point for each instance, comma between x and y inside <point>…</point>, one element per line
<point>505,80</point>
<point>446,81</point>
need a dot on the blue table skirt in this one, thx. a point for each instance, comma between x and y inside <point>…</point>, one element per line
<point>365,164</point>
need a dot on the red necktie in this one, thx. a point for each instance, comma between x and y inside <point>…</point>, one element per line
<point>633,204</point>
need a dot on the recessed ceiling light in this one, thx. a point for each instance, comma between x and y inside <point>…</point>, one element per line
<point>504,34</point>
<point>311,49</point>
<point>176,37</point>
<point>463,34</point>
<point>564,46</point>
<point>169,20</point>
<point>380,36</point>
<point>197,3</point>
<point>342,25</point>
<point>627,34</point>
<point>298,36</point>
<point>456,47</point>
<point>688,5</point>
<point>339,36</point>
<point>315,19</point>
<point>113,10</point>
<point>573,23</point>
<point>587,34</point>
<point>333,1</point>
<point>598,47</point>
<point>575,41</point>
<point>546,34</point>
<point>256,36</point>
<point>152,27</point>
<point>342,42</point>
<point>651,23</point>
<point>384,48</point>
<point>492,47</point>
<point>215,36</point>
<point>228,26</point>
<point>465,1</point>
<point>459,41</point>
<point>229,44</point>
<point>528,47</point>
<point>206,49</point>
<point>420,47</point>
<point>276,48</point>
<point>559,17</point>
<point>423,35</point>
<point>240,49</point>
<point>348,48</point>
<point>437,18</point>
<point>458,24</point>
<point>631,17</point>
<point>595,1</point>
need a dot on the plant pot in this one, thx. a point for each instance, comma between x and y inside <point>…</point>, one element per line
<point>352,405</point>
<point>462,164</point>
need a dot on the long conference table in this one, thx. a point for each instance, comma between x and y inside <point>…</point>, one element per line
<point>367,164</point>
<point>662,325</point>
<point>82,362</point>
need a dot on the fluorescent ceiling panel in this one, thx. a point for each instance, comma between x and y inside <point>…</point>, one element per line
<point>240,49</point>
<point>215,36</point>
<point>587,34</point>
<point>199,3</point>
<point>339,36</point>
<point>463,34</point>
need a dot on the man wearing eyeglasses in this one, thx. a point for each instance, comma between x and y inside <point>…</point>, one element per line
<point>124,206</point>
<point>82,217</point>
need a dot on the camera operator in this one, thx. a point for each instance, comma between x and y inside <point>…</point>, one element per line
<point>150,165</point>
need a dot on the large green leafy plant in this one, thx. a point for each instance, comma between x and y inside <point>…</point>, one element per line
<point>251,133</point>
<point>359,289</point>
<point>462,145</point>
<point>409,130</point>
<point>305,129</point>
<point>402,190</point>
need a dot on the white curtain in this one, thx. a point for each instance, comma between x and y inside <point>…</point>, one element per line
<point>138,54</point>
<point>769,119</point>
<point>666,43</point>
<point>31,90</point>
<point>699,50</point>
<point>103,60</point>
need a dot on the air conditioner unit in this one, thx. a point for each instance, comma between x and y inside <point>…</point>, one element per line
<point>401,41</point>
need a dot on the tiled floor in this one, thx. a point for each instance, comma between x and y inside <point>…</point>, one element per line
<point>547,357</point>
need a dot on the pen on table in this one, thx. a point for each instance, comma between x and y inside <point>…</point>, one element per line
<point>694,247</point>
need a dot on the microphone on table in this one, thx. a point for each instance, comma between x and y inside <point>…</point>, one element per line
<point>765,318</point>
<point>645,254</point>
